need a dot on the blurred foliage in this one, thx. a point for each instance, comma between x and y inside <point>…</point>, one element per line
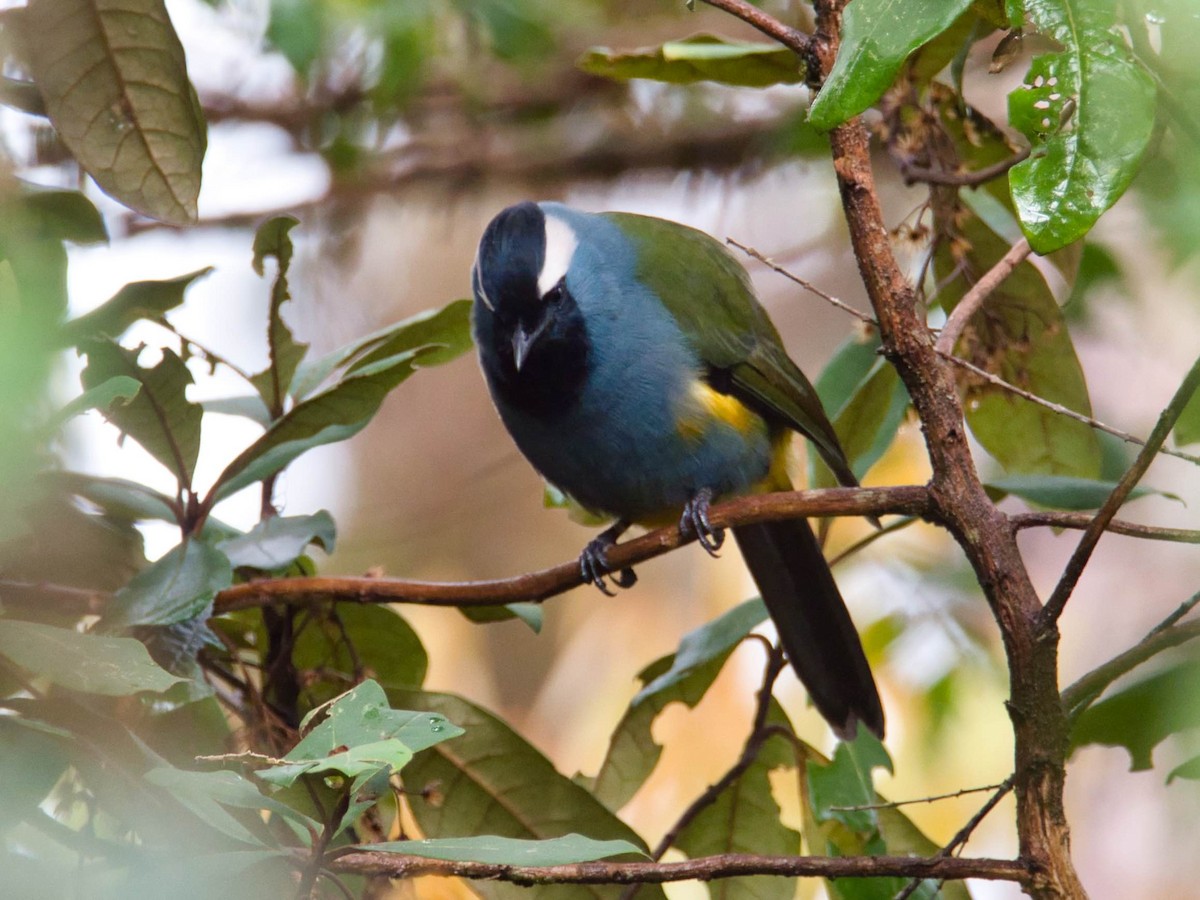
<point>155,744</point>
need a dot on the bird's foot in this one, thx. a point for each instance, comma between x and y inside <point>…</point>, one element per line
<point>695,521</point>
<point>593,561</point>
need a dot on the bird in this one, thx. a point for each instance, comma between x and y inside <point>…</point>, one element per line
<point>635,369</point>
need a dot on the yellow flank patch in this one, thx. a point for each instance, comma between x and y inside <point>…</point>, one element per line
<point>710,406</point>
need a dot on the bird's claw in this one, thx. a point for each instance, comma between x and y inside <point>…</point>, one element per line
<point>695,520</point>
<point>594,569</point>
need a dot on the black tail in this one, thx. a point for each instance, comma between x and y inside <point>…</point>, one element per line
<point>813,623</point>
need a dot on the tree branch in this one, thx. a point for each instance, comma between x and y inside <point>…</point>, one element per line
<point>1080,521</point>
<point>962,505</point>
<point>537,586</point>
<point>969,178</point>
<point>1092,534</point>
<point>792,38</point>
<point>705,868</point>
<point>972,301</point>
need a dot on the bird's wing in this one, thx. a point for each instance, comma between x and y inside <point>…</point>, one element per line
<point>709,294</point>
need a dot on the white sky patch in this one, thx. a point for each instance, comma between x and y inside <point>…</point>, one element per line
<point>560,247</point>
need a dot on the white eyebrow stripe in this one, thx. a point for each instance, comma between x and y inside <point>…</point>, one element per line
<point>477,284</point>
<point>561,242</point>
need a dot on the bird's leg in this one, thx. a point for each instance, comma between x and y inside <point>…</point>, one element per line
<point>695,520</point>
<point>593,561</point>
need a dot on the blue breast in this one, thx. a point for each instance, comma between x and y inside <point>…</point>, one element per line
<point>619,448</point>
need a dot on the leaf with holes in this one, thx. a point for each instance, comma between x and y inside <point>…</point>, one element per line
<point>1020,336</point>
<point>1139,717</point>
<point>114,79</point>
<point>135,301</point>
<point>744,818</point>
<point>159,417</point>
<point>286,353</point>
<point>360,736</point>
<point>1088,110</point>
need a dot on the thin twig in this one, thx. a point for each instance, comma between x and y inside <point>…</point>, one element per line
<point>962,835</point>
<point>1092,534</point>
<point>1080,521</point>
<point>1080,695</point>
<point>874,535</point>
<point>807,285</point>
<point>972,301</point>
<point>704,868</point>
<point>966,178</point>
<point>1182,610</point>
<point>792,38</point>
<point>754,743</point>
<point>896,804</point>
<point>1060,409</point>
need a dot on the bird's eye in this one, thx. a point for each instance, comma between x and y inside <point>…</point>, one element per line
<point>556,293</point>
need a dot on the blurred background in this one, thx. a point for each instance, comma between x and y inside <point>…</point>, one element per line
<point>394,132</point>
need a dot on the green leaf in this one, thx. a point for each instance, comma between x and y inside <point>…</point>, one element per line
<point>278,541</point>
<point>490,781</point>
<point>296,29</point>
<point>713,640</point>
<point>115,83</point>
<point>117,497</point>
<point>207,794</point>
<point>632,751</point>
<point>1187,428</point>
<point>62,215</point>
<point>381,639</point>
<point>1089,113</point>
<point>121,388</point>
<point>868,419</point>
<point>160,417</point>
<point>448,329</point>
<point>505,851</point>
<point>249,406</point>
<point>744,818</point>
<point>848,781</point>
<point>532,614</point>
<point>1189,770</point>
<point>360,736</point>
<point>1140,716</point>
<point>135,301</point>
<point>331,416</point>
<point>31,763</point>
<point>877,37</point>
<point>273,240</point>
<point>177,587</point>
<point>701,57</point>
<point>95,664</point>
<point>1060,491</point>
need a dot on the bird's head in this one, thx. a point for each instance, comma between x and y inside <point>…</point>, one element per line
<point>521,282</point>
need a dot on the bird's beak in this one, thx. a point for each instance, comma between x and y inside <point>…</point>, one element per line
<point>523,341</point>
